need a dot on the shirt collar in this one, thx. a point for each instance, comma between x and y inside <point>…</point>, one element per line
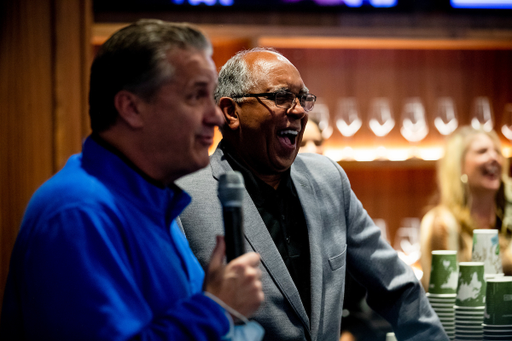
<point>117,172</point>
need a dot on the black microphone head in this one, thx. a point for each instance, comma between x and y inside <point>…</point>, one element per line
<point>231,189</point>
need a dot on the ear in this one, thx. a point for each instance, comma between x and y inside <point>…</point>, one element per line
<point>128,107</point>
<point>229,109</point>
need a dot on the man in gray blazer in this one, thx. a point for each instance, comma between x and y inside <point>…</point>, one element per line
<point>299,212</point>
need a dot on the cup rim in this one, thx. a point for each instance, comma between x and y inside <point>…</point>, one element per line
<point>485,231</point>
<point>499,326</point>
<point>478,307</point>
<point>441,305</point>
<point>500,279</point>
<point>471,326</point>
<point>471,263</point>
<point>470,313</point>
<point>455,295</point>
<point>441,299</point>
<point>444,252</point>
<point>469,318</point>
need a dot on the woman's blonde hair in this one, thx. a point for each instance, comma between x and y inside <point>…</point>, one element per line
<point>453,190</point>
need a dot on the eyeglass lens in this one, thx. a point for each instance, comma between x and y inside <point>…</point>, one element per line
<point>286,99</point>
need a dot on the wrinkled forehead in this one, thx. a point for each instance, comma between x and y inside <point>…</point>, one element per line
<point>269,68</point>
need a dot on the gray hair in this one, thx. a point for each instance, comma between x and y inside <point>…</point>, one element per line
<point>135,59</point>
<point>235,77</point>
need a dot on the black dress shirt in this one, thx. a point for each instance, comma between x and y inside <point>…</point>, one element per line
<point>282,214</point>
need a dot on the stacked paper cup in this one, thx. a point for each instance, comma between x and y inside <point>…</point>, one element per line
<point>486,249</point>
<point>498,309</point>
<point>390,337</point>
<point>442,289</point>
<point>470,302</point>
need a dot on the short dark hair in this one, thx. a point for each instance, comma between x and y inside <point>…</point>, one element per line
<point>135,59</point>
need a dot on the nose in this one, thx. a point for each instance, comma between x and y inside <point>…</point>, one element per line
<point>296,110</point>
<point>495,155</point>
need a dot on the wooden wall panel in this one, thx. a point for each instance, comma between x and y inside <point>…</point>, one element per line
<point>41,101</point>
<point>225,48</point>
<point>72,60</point>
<point>393,192</point>
<point>400,73</point>
<point>26,102</point>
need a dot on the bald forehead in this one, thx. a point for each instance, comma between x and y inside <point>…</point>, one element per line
<point>259,58</point>
<point>263,66</point>
<point>263,60</point>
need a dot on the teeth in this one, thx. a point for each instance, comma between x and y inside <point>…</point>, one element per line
<point>288,132</point>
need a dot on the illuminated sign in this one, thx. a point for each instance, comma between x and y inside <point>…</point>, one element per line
<point>347,3</point>
<point>206,2</point>
<point>483,4</point>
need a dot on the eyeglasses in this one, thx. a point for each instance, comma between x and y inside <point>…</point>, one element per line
<point>286,99</point>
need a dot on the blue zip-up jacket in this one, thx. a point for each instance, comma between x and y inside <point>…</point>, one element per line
<point>99,256</point>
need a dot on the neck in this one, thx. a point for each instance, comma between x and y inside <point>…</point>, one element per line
<point>271,179</point>
<point>135,157</point>
<point>483,210</point>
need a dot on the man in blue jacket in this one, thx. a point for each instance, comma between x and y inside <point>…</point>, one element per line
<point>99,255</point>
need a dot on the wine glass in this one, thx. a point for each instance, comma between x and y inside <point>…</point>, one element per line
<point>414,124</point>
<point>381,119</point>
<point>446,116</point>
<point>407,243</point>
<point>320,114</point>
<point>506,127</point>
<point>482,116</point>
<point>348,121</point>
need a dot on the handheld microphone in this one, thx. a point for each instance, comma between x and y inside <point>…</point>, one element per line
<point>231,191</point>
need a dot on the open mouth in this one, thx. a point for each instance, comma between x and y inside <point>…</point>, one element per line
<point>491,170</point>
<point>289,136</point>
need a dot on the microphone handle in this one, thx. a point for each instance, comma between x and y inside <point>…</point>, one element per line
<point>233,232</point>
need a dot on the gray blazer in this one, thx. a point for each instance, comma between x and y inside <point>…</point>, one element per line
<point>341,236</point>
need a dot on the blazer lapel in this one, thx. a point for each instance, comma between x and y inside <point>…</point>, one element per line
<point>309,202</point>
<point>259,238</point>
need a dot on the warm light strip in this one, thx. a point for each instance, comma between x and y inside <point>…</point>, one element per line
<point>320,42</point>
<point>391,154</point>
<point>381,153</point>
<point>507,152</point>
